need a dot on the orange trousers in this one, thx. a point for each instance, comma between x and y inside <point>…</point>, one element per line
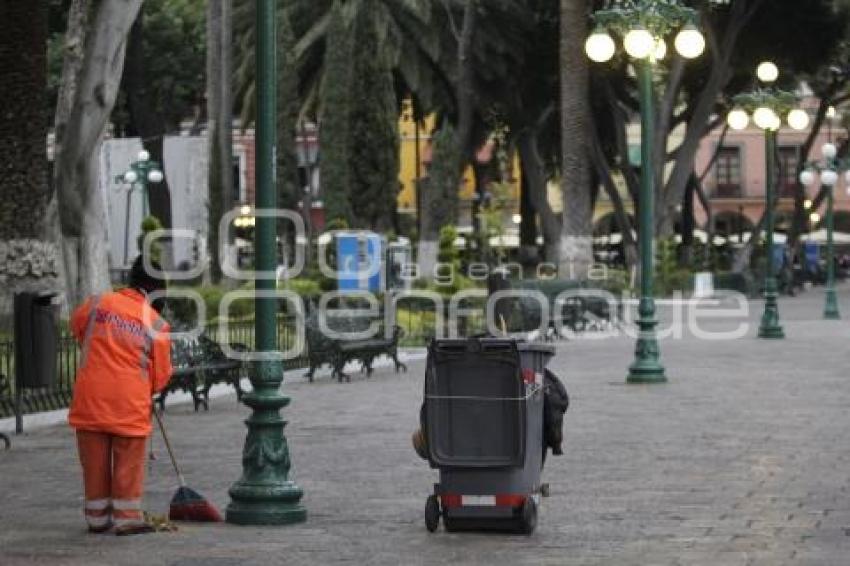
<point>114,476</point>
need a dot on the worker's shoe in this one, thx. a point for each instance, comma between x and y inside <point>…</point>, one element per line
<point>134,529</point>
<point>101,529</point>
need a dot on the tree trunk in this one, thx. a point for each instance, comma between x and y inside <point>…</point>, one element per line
<point>603,172</point>
<point>576,244</point>
<point>721,52</point>
<point>219,125</point>
<point>452,169</point>
<point>91,75</point>
<point>532,167</point>
<point>145,123</point>
<point>28,256</point>
<point>528,223</point>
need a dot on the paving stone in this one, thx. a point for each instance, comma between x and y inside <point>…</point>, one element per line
<point>740,460</point>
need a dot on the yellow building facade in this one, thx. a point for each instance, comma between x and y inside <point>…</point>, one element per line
<point>415,156</point>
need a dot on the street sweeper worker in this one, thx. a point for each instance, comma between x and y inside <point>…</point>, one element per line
<point>125,359</point>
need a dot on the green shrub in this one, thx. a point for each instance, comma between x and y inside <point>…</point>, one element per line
<point>151,224</point>
<point>308,289</point>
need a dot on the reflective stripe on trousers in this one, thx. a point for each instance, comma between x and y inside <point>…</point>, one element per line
<point>113,474</point>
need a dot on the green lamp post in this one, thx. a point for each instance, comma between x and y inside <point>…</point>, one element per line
<point>828,169</point>
<point>141,172</point>
<point>767,104</point>
<point>265,495</point>
<point>643,24</point>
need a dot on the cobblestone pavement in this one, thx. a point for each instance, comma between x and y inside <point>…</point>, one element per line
<point>741,459</point>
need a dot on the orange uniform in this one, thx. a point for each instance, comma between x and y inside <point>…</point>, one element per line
<point>125,359</point>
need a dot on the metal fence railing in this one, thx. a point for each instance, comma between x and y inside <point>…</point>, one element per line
<point>16,401</point>
<point>419,327</point>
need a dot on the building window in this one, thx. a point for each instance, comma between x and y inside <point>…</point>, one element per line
<point>728,173</point>
<point>789,160</point>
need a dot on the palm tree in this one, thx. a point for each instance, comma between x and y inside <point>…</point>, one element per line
<point>409,38</point>
<point>576,251</point>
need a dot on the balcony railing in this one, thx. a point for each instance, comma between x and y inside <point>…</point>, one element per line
<point>728,191</point>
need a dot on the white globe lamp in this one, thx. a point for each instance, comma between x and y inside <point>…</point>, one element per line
<point>738,119</point>
<point>829,178</point>
<point>798,119</point>
<point>765,118</point>
<point>807,178</point>
<point>689,42</point>
<point>600,46</point>
<point>767,72</point>
<point>829,151</point>
<point>639,43</point>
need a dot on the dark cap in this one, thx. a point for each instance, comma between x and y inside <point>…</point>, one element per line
<point>142,280</point>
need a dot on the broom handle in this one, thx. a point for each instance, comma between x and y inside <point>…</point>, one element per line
<point>168,448</point>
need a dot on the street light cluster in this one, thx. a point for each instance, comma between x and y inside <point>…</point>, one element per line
<point>828,169</point>
<point>640,43</point>
<point>246,219</point>
<point>643,25</point>
<point>767,105</point>
<point>143,168</point>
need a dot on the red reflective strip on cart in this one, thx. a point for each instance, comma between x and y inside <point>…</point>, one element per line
<point>510,500</point>
<point>505,500</point>
<point>528,375</point>
<point>450,500</point>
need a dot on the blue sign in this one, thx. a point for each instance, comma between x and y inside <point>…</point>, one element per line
<point>348,262</point>
<point>359,258</point>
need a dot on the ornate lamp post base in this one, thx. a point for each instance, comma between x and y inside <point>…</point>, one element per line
<point>264,495</point>
<point>830,311</point>
<point>770,327</point>
<point>646,368</point>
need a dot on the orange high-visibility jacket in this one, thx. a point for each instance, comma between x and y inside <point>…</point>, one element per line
<point>125,359</point>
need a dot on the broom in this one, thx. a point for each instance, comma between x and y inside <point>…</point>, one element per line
<point>187,504</point>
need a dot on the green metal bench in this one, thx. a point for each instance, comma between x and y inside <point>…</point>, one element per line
<point>200,364</point>
<point>578,311</point>
<point>337,352</point>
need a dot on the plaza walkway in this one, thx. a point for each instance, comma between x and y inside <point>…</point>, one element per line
<point>743,458</point>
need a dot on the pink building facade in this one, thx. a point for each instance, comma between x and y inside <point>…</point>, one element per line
<point>735,183</point>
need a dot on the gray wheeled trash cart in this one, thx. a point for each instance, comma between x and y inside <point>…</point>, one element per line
<point>483,417</point>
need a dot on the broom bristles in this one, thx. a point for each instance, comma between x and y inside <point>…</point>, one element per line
<point>188,505</point>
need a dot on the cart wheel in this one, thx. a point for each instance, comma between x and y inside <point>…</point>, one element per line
<point>432,513</point>
<point>528,517</point>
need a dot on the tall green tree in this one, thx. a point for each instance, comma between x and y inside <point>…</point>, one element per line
<point>334,119</point>
<point>28,257</point>
<point>439,195</point>
<point>373,130</point>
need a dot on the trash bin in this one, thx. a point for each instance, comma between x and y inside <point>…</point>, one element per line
<point>36,339</point>
<point>483,416</point>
